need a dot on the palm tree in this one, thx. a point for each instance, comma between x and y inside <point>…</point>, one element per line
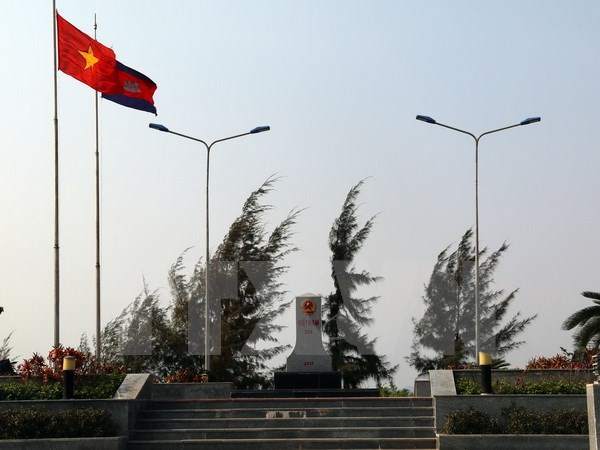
<point>588,319</point>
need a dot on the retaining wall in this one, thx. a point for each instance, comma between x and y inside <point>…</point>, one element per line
<point>509,441</point>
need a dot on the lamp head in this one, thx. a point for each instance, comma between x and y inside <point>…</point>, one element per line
<point>426,119</point>
<point>158,126</point>
<point>530,120</point>
<point>259,129</point>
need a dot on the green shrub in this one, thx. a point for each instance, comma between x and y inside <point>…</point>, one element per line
<point>393,392</point>
<point>552,387</point>
<point>471,421</point>
<point>517,420</point>
<point>466,386</point>
<point>30,391</point>
<point>95,387</point>
<point>36,423</point>
<point>99,386</point>
<point>570,421</point>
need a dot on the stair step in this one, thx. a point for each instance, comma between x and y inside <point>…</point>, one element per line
<point>288,444</point>
<point>406,402</point>
<point>309,412</point>
<point>286,424</point>
<point>327,422</point>
<point>284,433</point>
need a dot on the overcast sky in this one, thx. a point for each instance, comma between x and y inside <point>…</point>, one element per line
<point>340,83</point>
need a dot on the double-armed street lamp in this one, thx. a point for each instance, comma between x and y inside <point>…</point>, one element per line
<point>256,130</point>
<point>430,120</point>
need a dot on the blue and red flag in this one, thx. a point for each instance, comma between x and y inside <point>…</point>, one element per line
<point>136,89</point>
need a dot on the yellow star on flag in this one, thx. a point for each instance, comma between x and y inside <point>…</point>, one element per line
<point>90,59</point>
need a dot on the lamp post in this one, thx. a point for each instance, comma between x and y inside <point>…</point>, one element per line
<point>430,120</point>
<point>256,130</point>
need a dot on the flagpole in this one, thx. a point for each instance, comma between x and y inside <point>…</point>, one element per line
<point>98,346</point>
<point>56,235</point>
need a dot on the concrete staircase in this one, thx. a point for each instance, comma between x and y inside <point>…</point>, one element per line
<point>282,424</point>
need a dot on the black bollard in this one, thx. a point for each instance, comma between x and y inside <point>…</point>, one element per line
<point>485,365</point>
<point>68,376</point>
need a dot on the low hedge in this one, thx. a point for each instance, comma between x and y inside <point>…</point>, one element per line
<point>94,387</point>
<point>466,386</point>
<point>517,420</point>
<point>394,392</point>
<point>37,423</point>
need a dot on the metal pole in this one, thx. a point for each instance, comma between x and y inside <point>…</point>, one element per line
<point>207,254</point>
<point>430,120</point>
<point>97,156</point>
<point>207,277</point>
<point>477,316</point>
<point>56,222</point>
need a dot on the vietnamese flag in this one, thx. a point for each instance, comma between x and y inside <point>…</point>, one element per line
<point>136,90</point>
<point>86,59</point>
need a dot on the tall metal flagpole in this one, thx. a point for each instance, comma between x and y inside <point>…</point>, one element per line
<point>97,225</point>
<point>56,246</point>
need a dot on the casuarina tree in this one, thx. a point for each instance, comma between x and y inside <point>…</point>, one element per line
<point>347,315</point>
<point>246,298</point>
<point>445,335</point>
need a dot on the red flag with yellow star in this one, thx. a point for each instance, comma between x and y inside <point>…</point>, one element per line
<point>86,59</point>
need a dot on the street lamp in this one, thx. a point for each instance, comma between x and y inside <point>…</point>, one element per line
<point>159,127</point>
<point>430,120</point>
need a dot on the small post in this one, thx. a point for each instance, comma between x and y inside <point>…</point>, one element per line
<point>68,376</point>
<point>485,365</point>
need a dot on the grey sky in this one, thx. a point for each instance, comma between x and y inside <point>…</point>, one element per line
<point>340,83</point>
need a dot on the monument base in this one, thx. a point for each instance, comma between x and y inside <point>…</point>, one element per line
<point>308,380</point>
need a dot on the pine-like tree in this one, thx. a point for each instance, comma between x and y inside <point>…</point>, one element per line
<point>445,335</point>
<point>353,353</point>
<point>5,347</point>
<point>239,318</point>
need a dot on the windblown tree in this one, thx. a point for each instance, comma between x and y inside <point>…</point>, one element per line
<point>587,322</point>
<point>353,353</point>
<point>143,339</point>
<point>445,335</point>
<point>246,298</point>
<point>249,318</point>
<point>5,347</point>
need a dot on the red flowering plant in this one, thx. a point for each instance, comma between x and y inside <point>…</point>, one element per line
<point>186,376</point>
<point>579,360</point>
<point>36,367</point>
<point>85,364</point>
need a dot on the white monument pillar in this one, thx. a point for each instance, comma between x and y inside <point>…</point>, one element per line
<point>309,355</point>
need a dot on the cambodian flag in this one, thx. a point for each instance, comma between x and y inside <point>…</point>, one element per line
<point>136,89</point>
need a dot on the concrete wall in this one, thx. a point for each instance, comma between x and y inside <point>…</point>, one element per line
<point>123,411</point>
<point>492,404</point>
<point>509,441</point>
<point>116,443</point>
<point>129,400</point>
<point>593,410</point>
<point>184,391</point>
